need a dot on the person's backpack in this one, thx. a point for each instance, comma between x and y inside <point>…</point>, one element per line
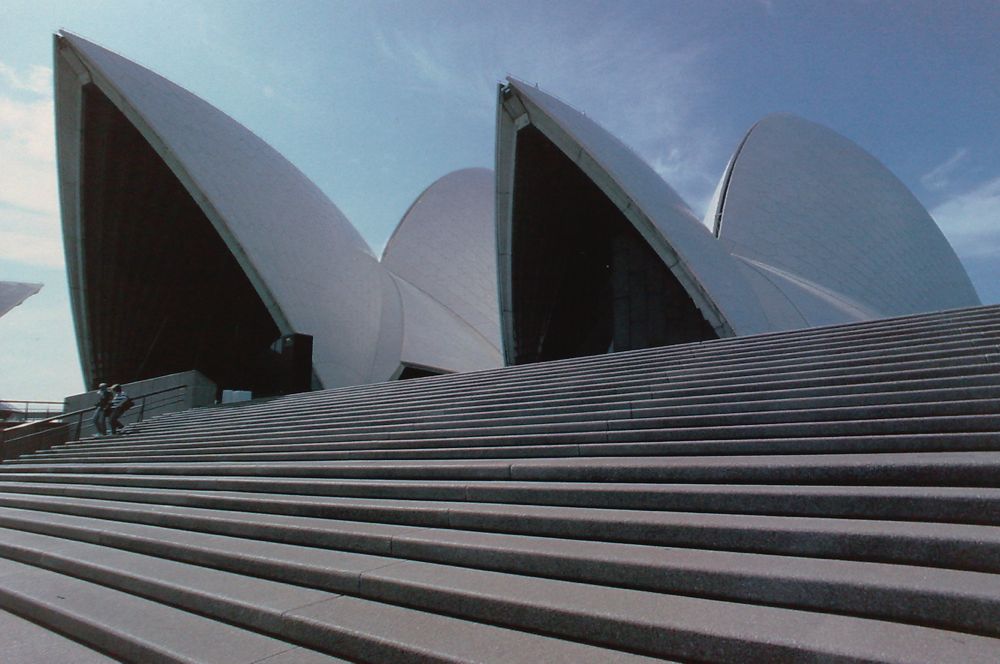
<point>128,403</point>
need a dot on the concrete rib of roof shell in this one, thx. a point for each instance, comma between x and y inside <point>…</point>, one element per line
<point>310,267</point>
<point>13,293</point>
<point>700,263</point>
<point>832,228</point>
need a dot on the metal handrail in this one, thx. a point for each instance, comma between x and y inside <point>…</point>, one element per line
<point>30,410</point>
<point>5,434</point>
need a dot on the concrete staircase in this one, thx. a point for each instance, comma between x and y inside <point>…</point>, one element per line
<point>823,495</point>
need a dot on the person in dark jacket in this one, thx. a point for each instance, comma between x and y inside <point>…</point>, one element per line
<point>119,404</point>
<point>104,397</point>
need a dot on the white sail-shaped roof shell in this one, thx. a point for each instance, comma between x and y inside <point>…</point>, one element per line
<point>310,267</point>
<point>698,261</point>
<point>442,259</point>
<point>808,228</point>
<point>445,246</point>
<point>832,228</point>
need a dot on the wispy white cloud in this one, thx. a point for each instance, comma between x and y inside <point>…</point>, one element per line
<point>971,221</point>
<point>39,360</point>
<point>37,79</point>
<point>21,241</point>
<point>939,177</point>
<point>632,78</point>
<point>437,65</point>
<point>29,222</point>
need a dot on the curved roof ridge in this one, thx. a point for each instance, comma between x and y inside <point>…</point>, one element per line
<point>805,200</point>
<point>316,276</point>
<point>445,245</point>
<point>659,214</point>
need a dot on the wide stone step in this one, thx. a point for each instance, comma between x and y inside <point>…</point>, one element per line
<point>429,387</point>
<point>598,614</point>
<point>900,503</point>
<point>919,595</point>
<point>856,393</point>
<point>554,606</point>
<point>564,445</point>
<point>24,642</point>
<point>955,401</point>
<point>327,522</point>
<point>557,446</point>
<point>728,372</point>
<point>971,365</point>
<point>601,439</point>
<point>123,625</point>
<point>930,469</point>
<point>211,429</point>
<point>274,607</point>
<point>957,388</point>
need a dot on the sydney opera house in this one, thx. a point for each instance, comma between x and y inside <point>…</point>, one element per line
<point>767,454</point>
<point>191,243</point>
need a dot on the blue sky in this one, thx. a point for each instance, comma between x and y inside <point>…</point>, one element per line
<point>376,100</point>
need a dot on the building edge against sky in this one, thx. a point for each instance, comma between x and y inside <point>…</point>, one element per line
<point>191,243</point>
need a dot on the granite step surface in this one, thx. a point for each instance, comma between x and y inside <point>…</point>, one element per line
<point>830,494</point>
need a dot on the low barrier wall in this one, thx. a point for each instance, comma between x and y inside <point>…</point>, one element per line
<point>198,391</point>
<point>165,394</point>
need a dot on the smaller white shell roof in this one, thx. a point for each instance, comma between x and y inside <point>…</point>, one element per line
<point>13,293</point>
<point>676,234</point>
<point>434,337</point>
<point>445,245</point>
<point>823,217</point>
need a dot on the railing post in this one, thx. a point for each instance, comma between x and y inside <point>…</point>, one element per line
<point>79,425</point>
<point>142,409</point>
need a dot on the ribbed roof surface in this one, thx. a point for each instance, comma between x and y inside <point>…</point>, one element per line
<point>700,261</point>
<point>444,249</point>
<point>828,494</point>
<point>445,245</point>
<point>311,268</point>
<point>820,216</point>
<point>305,262</point>
<point>811,229</point>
